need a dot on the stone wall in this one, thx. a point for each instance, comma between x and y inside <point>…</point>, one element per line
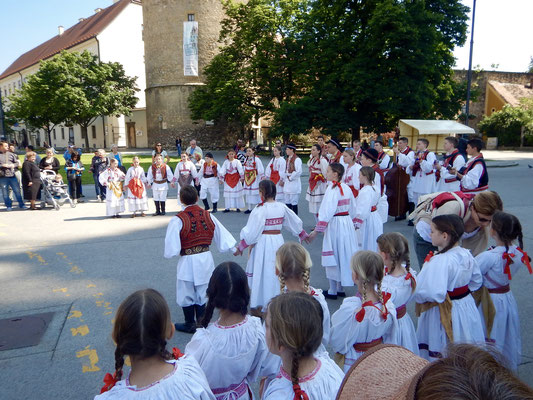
<point>480,79</point>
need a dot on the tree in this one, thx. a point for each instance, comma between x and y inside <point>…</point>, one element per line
<point>74,88</point>
<point>509,123</point>
<point>530,67</point>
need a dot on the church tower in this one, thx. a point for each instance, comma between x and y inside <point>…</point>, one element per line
<point>180,39</point>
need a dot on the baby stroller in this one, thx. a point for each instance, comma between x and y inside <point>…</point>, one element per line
<point>55,192</point>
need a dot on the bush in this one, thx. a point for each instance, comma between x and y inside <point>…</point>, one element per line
<point>507,124</point>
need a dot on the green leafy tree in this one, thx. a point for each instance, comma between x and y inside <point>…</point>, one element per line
<point>508,123</point>
<point>74,88</point>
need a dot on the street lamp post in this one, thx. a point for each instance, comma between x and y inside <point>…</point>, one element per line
<point>469,78</point>
<point>2,120</point>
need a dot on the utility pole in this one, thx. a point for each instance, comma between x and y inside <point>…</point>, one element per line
<point>469,79</point>
<point>2,119</point>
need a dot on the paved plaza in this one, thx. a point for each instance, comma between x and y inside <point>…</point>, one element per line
<point>80,265</point>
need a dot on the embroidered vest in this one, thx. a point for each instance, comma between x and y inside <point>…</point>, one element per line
<point>291,164</point>
<point>163,170</point>
<point>337,158</point>
<point>214,170</point>
<point>448,160</point>
<point>483,180</point>
<point>198,227</point>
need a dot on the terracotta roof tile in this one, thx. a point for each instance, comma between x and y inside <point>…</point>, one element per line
<point>79,33</point>
<point>511,92</point>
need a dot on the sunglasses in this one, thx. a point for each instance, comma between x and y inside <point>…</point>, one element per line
<point>480,218</point>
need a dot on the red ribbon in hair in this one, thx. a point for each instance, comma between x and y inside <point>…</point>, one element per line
<point>428,257</point>
<point>508,261</point>
<point>109,382</point>
<point>408,276</point>
<point>525,259</point>
<point>177,353</point>
<point>338,184</point>
<point>361,313</point>
<point>299,394</point>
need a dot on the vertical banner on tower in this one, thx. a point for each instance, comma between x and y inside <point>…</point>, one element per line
<point>190,48</point>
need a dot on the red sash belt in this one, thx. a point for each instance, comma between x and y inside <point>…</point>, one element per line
<point>374,208</point>
<point>500,290</point>
<point>459,293</point>
<point>362,347</point>
<point>314,178</point>
<point>429,173</point>
<point>342,214</point>
<point>274,232</point>
<point>232,179</point>
<point>401,311</point>
<point>354,191</point>
<point>478,189</point>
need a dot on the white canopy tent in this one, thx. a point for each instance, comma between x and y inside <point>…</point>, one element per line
<point>433,130</point>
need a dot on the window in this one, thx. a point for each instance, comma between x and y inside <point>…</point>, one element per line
<point>93,128</point>
<point>71,135</point>
<point>83,134</point>
<point>190,17</point>
<point>20,84</point>
<point>54,132</point>
<point>63,133</point>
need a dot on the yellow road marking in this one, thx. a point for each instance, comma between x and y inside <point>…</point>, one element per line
<point>93,359</point>
<point>64,290</point>
<point>80,330</point>
<point>74,314</point>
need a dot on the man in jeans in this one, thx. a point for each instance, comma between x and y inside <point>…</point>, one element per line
<point>98,165</point>
<point>8,163</point>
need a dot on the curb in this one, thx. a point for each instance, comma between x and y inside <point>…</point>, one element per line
<point>502,165</point>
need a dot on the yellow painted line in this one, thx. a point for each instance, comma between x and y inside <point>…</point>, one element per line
<point>108,312</point>
<point>80,330</point>
<point>90,285</point>
<point>75,269</point>
<point>63,290</point>
<point>98,294</point>
<point>93,359</point>
<point>60,254</point>
<point>74,314</point>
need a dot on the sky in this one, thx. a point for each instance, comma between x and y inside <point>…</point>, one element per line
<point>503,38</point>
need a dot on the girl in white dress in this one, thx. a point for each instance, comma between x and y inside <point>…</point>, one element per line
<point>292,186</point>
<point>400,282</point>
<point>232,175</point>
<point>369,158</point>
<point>263,233</point>
<point>253,174</point>
<point>113,178</point>
<point>184,174</point>
<point>351,171</point>
<point>208,180</point>
<point>136,182</point>
<point>336,220</point>
<point>141,330</point>
<point>231,351</point>
<point>275,171</point>
<point>293,268</point>
<point>443,292</point>
<point>294,333</point>
<point>498,266</point>
<point>365,320</point>
<point>318,167</point>
<point>159,174</point>
<point>367,217</point>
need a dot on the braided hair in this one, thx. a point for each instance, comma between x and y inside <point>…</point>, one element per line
<point>396,246</point>
<point>141,327</point>
<point>293,262</point>
<point>338,169</point>
<point>369,267</point>
<point>268,189</point>
<point>451,224</point>
<point>227,290</point>
<point>508,229</point>
<point>295,322</point>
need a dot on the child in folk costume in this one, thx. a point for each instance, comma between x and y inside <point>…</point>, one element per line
<point>336,221</point>
<point>253,173</point>
<point>189,234</point>
<point>370,159</point>
<point>198,162</point>
<point>136,181</point>
<point>365,320</point>
<point>208,180</point>
<point>400,282</point>
<point>367,218</point>
<point>446,309</point>
<point>473,175</point>
<point>113,178</point>
<point>453,160</point>
<point>498,266</point>
<point>422,173</point>
<point>141,330</point>
<point>293,268</point>
<point>231,351</point>
<point>159,174</point>
<point>351,171</point>
<point>334,151</point>
<point>184,174</point>
<point>405,160</point>
<point>275,171</point>
<point>294,333</point>
<point>232,175</point>
<point>263,233</point>
<point>292,187</point>
<point>318,167</point>
<point>383,158</point>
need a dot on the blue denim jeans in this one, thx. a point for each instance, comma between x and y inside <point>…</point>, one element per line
<point>96,184</point>
<point>12,182</point>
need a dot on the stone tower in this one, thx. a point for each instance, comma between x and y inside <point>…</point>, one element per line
<point>168,85</point>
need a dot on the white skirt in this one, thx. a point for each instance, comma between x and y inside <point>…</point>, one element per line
<point>372,227</point>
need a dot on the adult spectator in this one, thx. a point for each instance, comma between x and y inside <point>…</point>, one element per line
<point>31,179</point>
<point>158,150</point>
<point>8,162</point>
<point>193,149</point>
<point>50,162</point>
<point>178,145</point>
<point>71,149</point>
<point>283,147</point>
<point>473,175</point>
<point>476,214</point>
<point>238,145</point>
<point>99,164</point>
<point>117,156</point>
<point>74,168</point>
<point>18,175</point>
<point>30,149</point>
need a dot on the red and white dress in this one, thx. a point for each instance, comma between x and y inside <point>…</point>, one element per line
<point>292,185</point>
<point>114,198</point>
<point>351,177</point>
<point>317,183</point>
<point>231,174</point>
<point>367,218</point>
<point>135,181</point>
<point>263,233</point>
<point>275,171</point>
<point>253,174</point>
